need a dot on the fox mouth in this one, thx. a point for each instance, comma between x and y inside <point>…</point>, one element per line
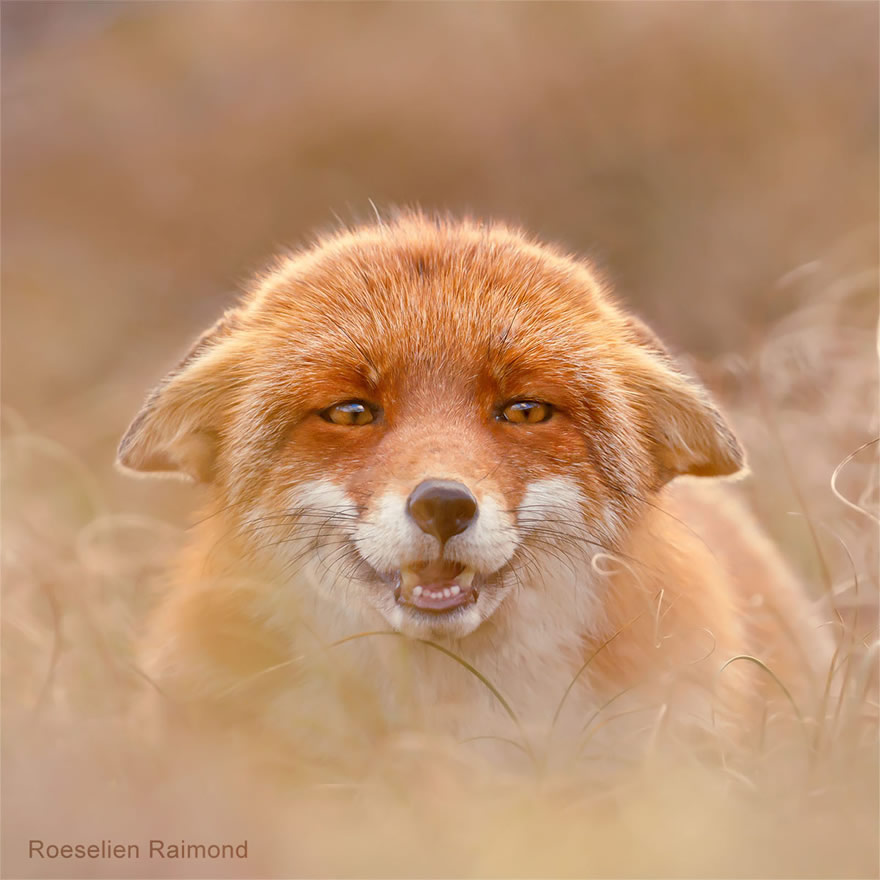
<point>436,587</point>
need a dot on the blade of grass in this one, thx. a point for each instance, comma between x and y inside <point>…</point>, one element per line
<point>851,504</point>
<point>762,665</point>
<point>462,662</point>
<point>583,669</point>
<point>504,739</point>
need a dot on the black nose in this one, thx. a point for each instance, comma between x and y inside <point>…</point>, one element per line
<point>442,508</point>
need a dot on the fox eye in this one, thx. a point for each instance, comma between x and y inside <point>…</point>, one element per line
<point>522,412</point>
<point>351,412</point>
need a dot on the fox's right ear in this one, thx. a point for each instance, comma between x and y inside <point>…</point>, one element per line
<point>176,432</point>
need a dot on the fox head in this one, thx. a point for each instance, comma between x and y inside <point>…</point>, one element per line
<point>427,418</point>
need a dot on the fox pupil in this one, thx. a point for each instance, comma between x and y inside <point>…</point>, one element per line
<point>353,412</point>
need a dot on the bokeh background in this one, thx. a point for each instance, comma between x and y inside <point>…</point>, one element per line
<point>719,162</point>
<point>155,154</point>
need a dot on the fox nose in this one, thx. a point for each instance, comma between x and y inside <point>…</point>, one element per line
<point>442,508</point>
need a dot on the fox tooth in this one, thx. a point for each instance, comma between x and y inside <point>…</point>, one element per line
<point>417,591</point>
<point>455,590</point>
<point>466,578</point>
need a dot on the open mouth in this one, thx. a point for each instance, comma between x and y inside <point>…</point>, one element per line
<point>437,587</point>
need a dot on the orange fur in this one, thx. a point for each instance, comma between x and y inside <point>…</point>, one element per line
<point>584,549</point>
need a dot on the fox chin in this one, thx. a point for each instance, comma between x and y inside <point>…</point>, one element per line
<point>449,431</point>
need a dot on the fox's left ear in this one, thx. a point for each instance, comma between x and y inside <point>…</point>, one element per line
<point>685,430</point>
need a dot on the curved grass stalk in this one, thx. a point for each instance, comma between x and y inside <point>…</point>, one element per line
<point>462,662</point>
<point>762,665</point>
<point>473,671</point>
<point>503,739</point>
<point>55,655</point>
<point>770,419</point>
<point>603,707</point>
<point>583,669</point>
<point>826,696</point>
<point>851,504</point>
<point>606,721</point>
<point>266,670</point>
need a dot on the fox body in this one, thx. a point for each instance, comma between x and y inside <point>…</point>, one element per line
<point>447,431</point>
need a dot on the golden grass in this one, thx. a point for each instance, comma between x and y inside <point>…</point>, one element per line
<point>155,153</point>
<point>80,763</point>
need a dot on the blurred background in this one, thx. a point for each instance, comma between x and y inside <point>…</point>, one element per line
<point>719,162</point>
<point>155,154</point>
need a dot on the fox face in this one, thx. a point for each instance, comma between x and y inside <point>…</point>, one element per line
<point>429,421</point>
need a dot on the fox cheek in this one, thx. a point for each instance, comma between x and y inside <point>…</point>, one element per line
<point>176,433</point>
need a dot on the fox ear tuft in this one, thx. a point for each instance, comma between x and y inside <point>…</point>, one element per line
<point>175,434</point>
<point>684,428</point>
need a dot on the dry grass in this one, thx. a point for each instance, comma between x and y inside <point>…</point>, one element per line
<point>78,580</point>
<point>723,158</point>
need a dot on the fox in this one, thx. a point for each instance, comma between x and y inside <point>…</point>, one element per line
<point>442,448</point>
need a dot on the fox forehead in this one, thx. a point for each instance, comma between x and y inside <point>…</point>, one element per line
<point>421,297</point>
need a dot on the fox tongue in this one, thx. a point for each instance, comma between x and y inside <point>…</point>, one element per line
<point>438,571</point>
<point>436,588</point>
<point>435,575</point>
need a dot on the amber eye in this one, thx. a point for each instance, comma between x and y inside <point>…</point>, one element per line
<point>351,412</point>
<point>526,412</point>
